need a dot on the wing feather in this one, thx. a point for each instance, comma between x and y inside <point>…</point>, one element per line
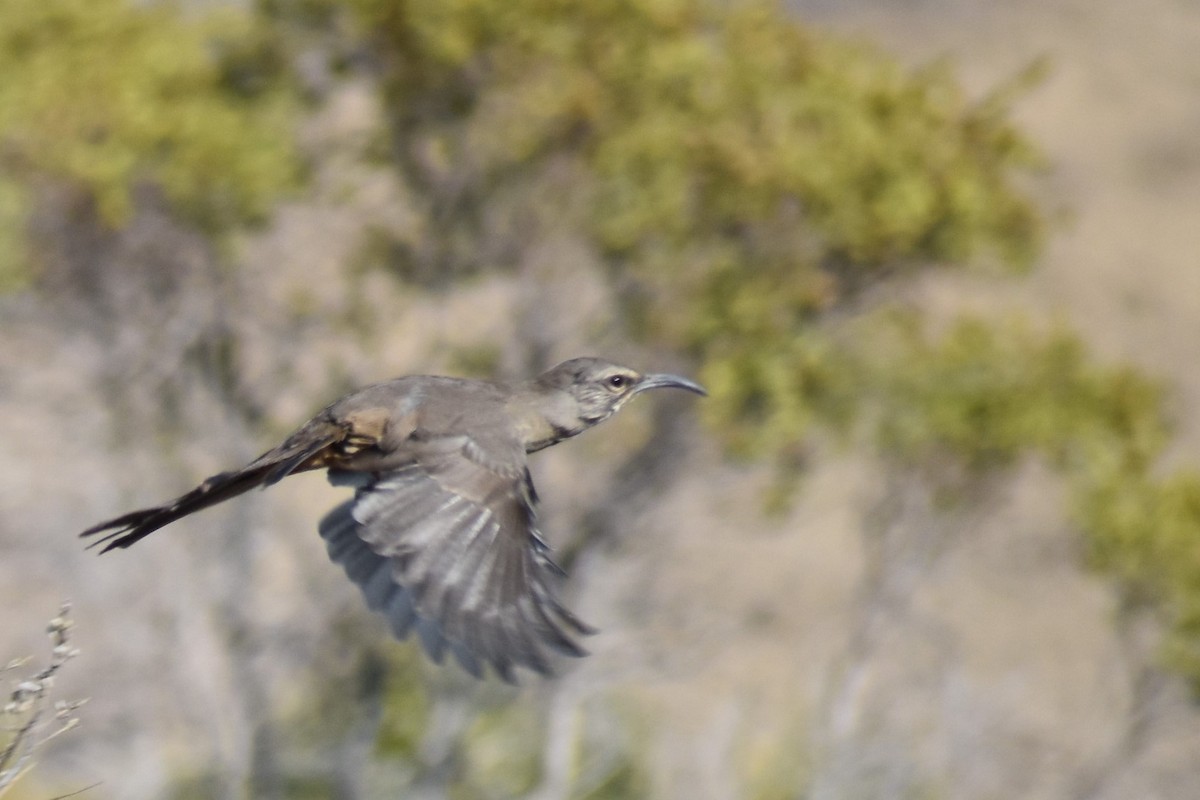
<point>446,544</point>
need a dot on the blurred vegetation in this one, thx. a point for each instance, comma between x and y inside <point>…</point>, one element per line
<point>14,258</point>
<point>989,392</point>
<point>982,395</point>
<point>746,182</point>
<point>109,94</point>
<point>986,394</point>
<point>503,755</point>
<point>746,178</point>
<point>1146,531</point>
<point>744,170</point>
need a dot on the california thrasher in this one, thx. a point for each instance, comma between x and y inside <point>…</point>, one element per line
<point>441,534</point>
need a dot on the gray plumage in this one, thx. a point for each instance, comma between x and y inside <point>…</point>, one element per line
<point>441,534</point>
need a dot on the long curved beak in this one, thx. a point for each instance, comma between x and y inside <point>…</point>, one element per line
<point>664,381</point>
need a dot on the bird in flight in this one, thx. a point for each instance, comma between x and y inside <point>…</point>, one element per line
<point>441,534</point>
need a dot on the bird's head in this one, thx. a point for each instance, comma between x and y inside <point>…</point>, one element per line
<point>582,392</point>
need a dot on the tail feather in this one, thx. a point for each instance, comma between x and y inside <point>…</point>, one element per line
<point>297,454</point>
<point>132,527</point>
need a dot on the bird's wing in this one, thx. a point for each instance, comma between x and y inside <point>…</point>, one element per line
<point>447,544</point>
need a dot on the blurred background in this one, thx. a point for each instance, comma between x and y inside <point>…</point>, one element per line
<point>935,534</point>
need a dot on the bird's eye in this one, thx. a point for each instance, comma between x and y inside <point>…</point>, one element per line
<point>618,381</point>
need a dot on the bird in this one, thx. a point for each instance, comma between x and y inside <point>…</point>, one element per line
<point>441,534</point>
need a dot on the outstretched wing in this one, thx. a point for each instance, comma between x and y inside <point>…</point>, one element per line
<point>446,544</point>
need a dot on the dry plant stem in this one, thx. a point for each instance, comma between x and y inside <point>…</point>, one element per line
<point>25,715</point>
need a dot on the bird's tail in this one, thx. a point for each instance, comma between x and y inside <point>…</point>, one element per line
<point>300,452</point>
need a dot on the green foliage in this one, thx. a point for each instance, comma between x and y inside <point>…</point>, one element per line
<point>989,393</point>
<point>108,93</point>
<point>501,753</point>
<point>406,706</point>
<point>611,747</point>
<point>727,156</point>
<point>985,394</point>
<point>773,403</point>
<point>1146,531</point>
<point>500,749</point>
<point>14,203</point>
<point>982,395</point>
